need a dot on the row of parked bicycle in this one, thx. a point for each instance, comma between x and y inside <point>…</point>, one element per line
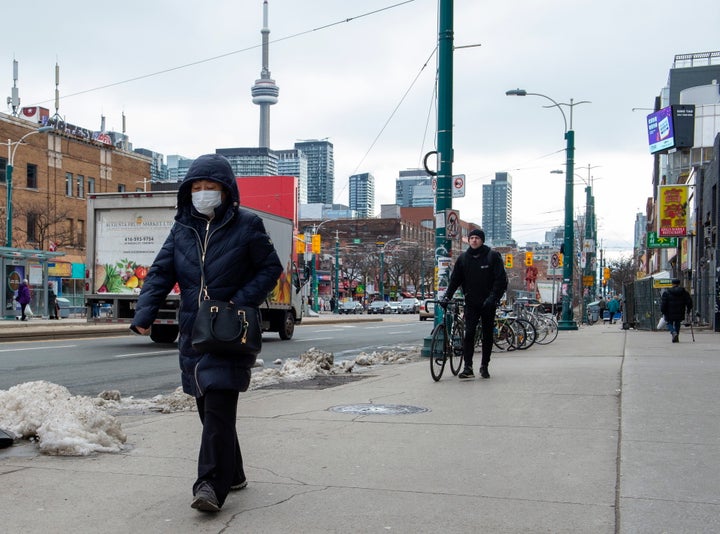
<point>407,305</point>
<point>515,329</point>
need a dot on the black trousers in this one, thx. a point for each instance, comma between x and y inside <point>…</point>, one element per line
<point>674,326</point>
<point>220,461</point>
<point>486,319</point>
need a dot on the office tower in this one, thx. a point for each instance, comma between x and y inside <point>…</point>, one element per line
<point>177,167</point>
<point>362,194</point>
<point>251,161</point>
<point>158,169</point>
<point>321,170</point>
<point>265,92</point>
<point>497,209</point>
<point>293,162</point>
<point>413,189</point>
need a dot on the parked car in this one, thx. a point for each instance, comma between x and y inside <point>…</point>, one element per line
<point>351,307</point>
<point>427,310</point>
<point>394,306</point>
<point>409,305</point>
<point>379,306</point>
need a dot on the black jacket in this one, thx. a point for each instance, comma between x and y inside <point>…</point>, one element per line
<point>674,302</point>
<point>481,274</point>
<point>240,264</point>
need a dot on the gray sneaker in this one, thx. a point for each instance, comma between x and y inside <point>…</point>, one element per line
<point>467,372</point>
<point>205,499</point>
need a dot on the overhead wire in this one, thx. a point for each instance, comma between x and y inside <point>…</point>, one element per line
<point>227,54</point>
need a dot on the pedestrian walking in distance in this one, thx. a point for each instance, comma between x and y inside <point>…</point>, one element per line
<point>480,272</point>
<point>675,303</point>
<point>23,297</point>
<point>613,306</point>
<point>241,266</point>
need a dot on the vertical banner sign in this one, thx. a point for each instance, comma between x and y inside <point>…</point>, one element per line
<point>673,210</point>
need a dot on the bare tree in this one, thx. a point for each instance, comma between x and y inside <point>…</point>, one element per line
<point>622,271</point>
<point>46,225</point>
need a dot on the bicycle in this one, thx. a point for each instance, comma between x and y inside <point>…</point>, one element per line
<point>444,346</point>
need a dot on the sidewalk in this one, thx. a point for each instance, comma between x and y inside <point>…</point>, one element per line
<point>602,431</point>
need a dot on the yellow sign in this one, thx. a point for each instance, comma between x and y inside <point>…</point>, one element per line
<point>588,280</point>
<point>672,210</point>
<point>61,269</point>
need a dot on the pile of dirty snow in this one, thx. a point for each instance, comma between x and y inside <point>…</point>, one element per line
<point>63,424</point>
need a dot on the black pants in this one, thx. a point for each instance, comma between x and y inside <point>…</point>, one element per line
<point>220,461</point>
<point>674,326</point>
<point>486,318</point>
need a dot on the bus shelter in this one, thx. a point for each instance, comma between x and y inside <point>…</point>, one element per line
<point>17,264</point>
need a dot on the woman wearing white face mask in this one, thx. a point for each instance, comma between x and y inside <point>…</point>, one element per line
<point>240,265</point>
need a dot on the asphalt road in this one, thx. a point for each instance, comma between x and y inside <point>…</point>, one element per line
<point>137,367</point>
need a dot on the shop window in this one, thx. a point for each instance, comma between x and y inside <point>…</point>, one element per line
<point>3,170</point>
<point>91,186</point>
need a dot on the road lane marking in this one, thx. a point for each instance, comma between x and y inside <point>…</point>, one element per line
<point>131,355</point>
<point>35,348</point>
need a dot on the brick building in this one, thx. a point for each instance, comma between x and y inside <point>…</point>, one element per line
<point>53,172</point>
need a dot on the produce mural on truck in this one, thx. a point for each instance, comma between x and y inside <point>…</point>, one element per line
<point>127,244</point>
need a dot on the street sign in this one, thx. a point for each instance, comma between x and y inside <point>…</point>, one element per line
<point>458,189</point>
<point>452,224</point>
<point>653,241</point>
<point>588,280</point>
<point>554,260</point>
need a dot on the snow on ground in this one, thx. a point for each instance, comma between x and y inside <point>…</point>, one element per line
<point>70,425</point>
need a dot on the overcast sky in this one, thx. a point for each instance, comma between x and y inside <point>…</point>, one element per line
<point>362,75</point>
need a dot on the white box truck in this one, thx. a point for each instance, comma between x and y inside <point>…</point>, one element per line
<point>125,231</point>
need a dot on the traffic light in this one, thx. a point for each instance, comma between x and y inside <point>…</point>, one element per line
<point>560,259</point>
<point>508,261</point>
<point>315,244</point>
<point>300,244</point>
<point>606,273</point>
<point>528,259</point>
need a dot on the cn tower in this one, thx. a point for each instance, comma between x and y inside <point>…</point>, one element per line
<point>265,92</point>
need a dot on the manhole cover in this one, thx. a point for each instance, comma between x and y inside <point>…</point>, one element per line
<point>378,409</point>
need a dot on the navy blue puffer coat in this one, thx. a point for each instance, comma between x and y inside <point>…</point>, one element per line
<point>240,263</point>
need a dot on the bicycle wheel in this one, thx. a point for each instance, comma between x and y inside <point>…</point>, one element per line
<point>456,346</point>
<point>530,334</point>
<point>438,356</point>
<point>504,336</point>
<point>552,331</point>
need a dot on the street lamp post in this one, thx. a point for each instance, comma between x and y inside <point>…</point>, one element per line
<point>567,321</point>
<point>12,147</point>
<point>382,266</point>
<point>336,296</point>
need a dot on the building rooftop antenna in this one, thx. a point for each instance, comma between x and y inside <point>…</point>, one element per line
<point>14,100</point>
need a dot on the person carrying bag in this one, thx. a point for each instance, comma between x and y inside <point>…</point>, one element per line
<point>215,251</point>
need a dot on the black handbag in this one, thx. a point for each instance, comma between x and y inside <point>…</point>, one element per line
<point>226,329</point>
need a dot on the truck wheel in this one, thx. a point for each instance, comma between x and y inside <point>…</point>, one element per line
<point>288,327</point>
<point>164,333</point>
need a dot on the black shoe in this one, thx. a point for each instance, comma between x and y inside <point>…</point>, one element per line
<point>484,372</point>
<point>675,338</point>
<point>467,373</point>
<point>205,499</point>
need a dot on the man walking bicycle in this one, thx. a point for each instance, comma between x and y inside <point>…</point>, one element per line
<point>481,274</point>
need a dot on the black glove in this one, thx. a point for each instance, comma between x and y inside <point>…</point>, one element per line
<point>444,303</point>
